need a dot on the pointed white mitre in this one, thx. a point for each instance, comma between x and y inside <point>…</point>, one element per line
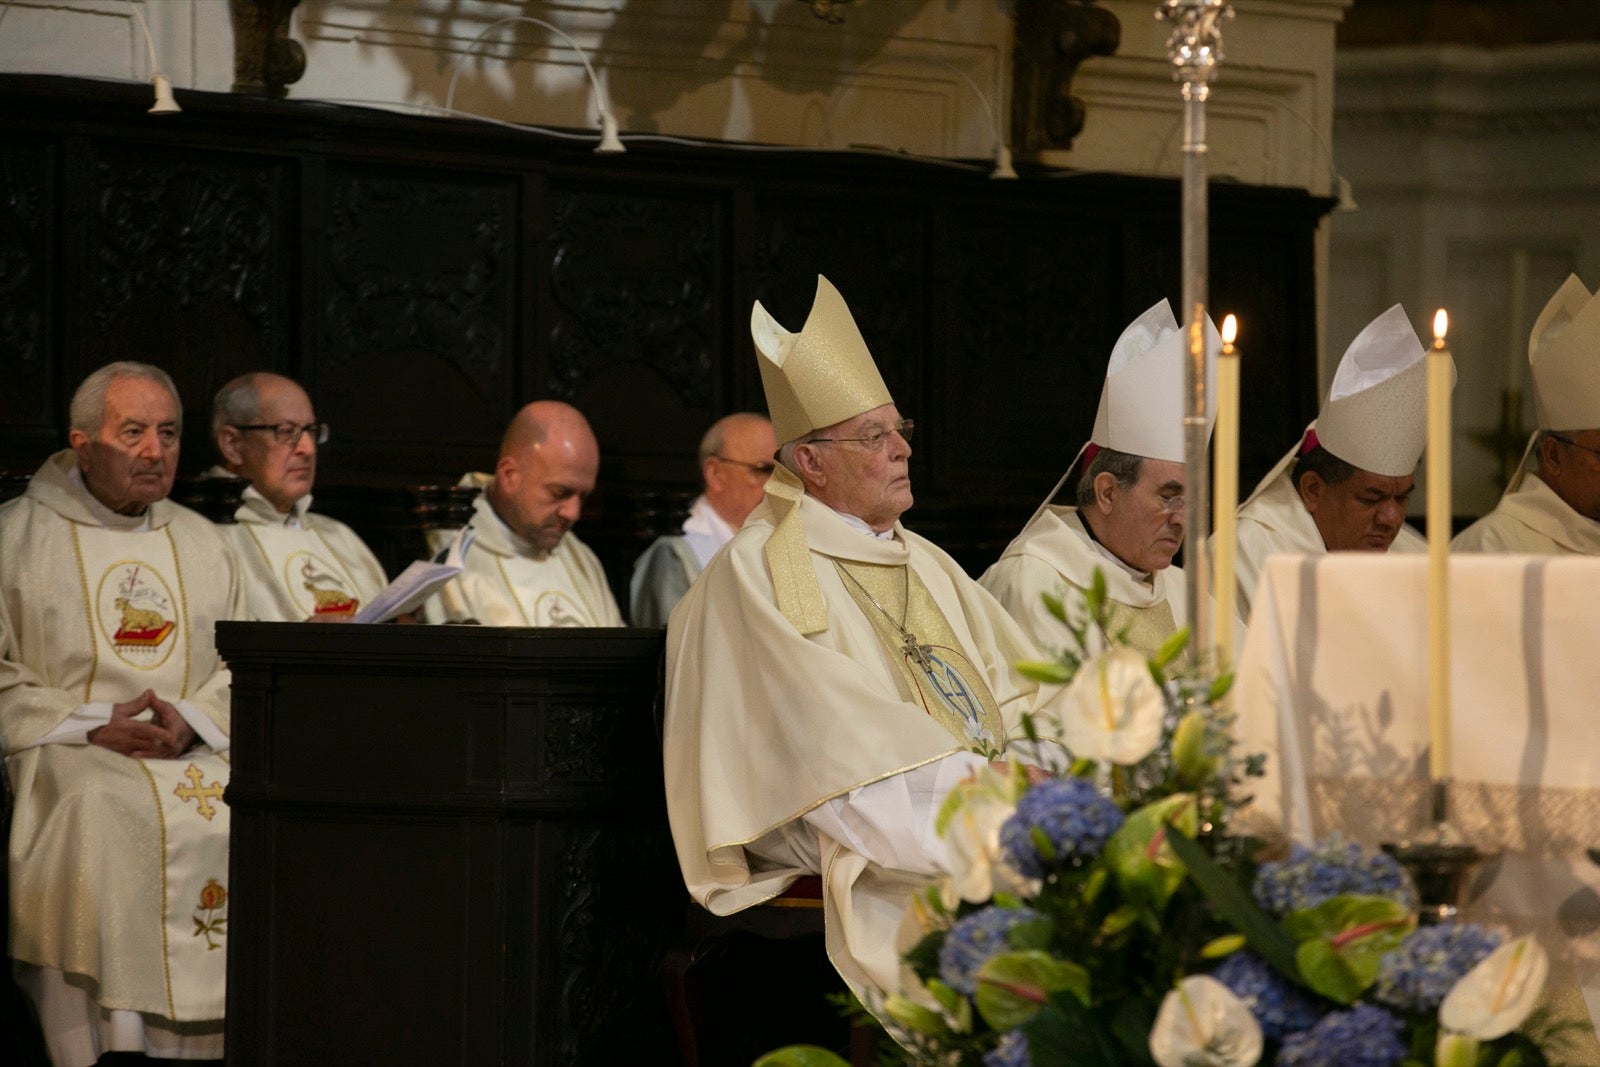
<point>819,376</point>
<point>1564,350</point>
<point>1376,414</point>
<point>1142,402</point>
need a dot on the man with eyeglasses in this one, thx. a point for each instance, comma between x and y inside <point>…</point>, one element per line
<point>1344,487</point>
<point>295,563</point>
<point>735,462</point>
<point>1128,522</point>
<point>113,709</point>
<point>830,671</point>
<point>525,566</point>
<point>1552,505</point>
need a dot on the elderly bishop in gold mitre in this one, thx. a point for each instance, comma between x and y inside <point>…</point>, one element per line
<point>830,671</point>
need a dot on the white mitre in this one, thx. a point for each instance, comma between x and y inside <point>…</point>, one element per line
<point>1142,403</point>
<point>817,377</point>
<point>1564,354</point>
<point>1376,414</point>
<point>821,375</point>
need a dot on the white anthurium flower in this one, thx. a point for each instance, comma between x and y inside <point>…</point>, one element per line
<point>1202,1024</point>
<point>970,822</point>
<point>1112,709</point>
<point>1496,996</point>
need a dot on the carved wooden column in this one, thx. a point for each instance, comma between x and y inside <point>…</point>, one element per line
<point>265,58</point>
<point>1052,38</point>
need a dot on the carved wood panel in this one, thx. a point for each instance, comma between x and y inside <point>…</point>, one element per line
<point>181,259</point>
<point>27,262</point>
<point>635,309</point>
<point>419,278</point>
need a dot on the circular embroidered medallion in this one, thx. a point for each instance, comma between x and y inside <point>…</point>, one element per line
<point>137,614</point>
<point>316,587</point>
<point>555,608</point>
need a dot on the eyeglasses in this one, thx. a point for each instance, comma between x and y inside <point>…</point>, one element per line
<point>1575,444</point>
<point>1172,504</point>
<point>288,433</point>
<point>766,467</point>
<point>871,442</point>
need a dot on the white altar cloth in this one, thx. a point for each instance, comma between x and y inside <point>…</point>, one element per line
<point>1333,686</point>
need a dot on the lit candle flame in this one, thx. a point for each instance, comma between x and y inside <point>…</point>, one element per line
<point>1230,329</point>
<point>1441,324</point>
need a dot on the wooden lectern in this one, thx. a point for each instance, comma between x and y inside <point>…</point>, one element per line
<point>450,846</point>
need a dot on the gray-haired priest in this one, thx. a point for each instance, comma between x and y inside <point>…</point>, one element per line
<point>294,564</point>
<point>113,707</point>
<point>1554,507</point>
<point>1345,486</point>
<point>829,670</point>
<point>1128,521</point>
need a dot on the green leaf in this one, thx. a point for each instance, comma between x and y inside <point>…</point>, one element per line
<point>1189,757</point>
<point>1013,986</point>
<point>1054,606</point>
<point>1095,596</point>
<point>800,1056</point>
<point>1042,670</point>
<point>1219,687</point>
<point>1066,1032</point>
<point>1266,937</point>
<point>1146,868</point>
<point>1226,945</point>
<point>914,1016</point>
<point>1042,844</point>
<point>1343,941</point>
<point>1172,647</point>
<point>1119,921</point>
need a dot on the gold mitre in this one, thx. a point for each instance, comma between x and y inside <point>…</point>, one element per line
<point>1564,353</point>
<point>820,376</point>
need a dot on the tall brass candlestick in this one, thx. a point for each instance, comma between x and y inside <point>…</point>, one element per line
<point>1225,460</point>
<point>1195,49</point>
<point>1439,374</point>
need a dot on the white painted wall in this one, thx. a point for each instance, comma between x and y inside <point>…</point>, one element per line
<point>1461,160</point>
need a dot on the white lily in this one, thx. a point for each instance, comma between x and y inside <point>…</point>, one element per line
<point>1112,709</point>
<point>970,822</point>
<point>1494,998</point>
<point>1202,1024</point>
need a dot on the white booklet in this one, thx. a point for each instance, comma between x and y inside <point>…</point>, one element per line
<point>419,581</point>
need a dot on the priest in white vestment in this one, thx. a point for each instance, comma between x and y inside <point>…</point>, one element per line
<point>735,462</point>
<point>113,712</point>
<point>1128,522</point>
<point>1552,506</point>
<point>1345,485</point>
<point>294,563</point>
<point>830,670</point>
<point>525,566</point>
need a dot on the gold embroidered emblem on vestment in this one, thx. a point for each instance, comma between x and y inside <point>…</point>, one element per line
<point>199,792</point>
<point>207,923</point>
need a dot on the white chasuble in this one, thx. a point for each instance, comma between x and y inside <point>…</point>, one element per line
<point>301,565</point>
<point>118,866</point>
<point>1534,521</point>
<point>764,725</point>
<point>1054,554</point>
<point>507,583</point>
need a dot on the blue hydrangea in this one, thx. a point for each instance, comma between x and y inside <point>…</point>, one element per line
<point>1075,818</point>
<point>1280,1006</point>
<point>1013,1051</point>
<point>973,940</point>
<point>1364,1036</point>
<point>1335,867</point>
<point>1416,976</point>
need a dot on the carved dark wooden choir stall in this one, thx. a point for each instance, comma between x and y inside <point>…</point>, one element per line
<point>426,277</point>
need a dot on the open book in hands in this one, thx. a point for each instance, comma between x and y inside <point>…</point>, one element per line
<point>419,581</point>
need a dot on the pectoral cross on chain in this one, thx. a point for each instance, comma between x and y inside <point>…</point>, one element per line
<point>917,651</point>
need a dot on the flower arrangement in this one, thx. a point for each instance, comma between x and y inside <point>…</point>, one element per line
<point>1099,912</point>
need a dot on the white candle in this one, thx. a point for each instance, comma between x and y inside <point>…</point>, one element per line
<point>1439,365</point>
<point>1225,478</point>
